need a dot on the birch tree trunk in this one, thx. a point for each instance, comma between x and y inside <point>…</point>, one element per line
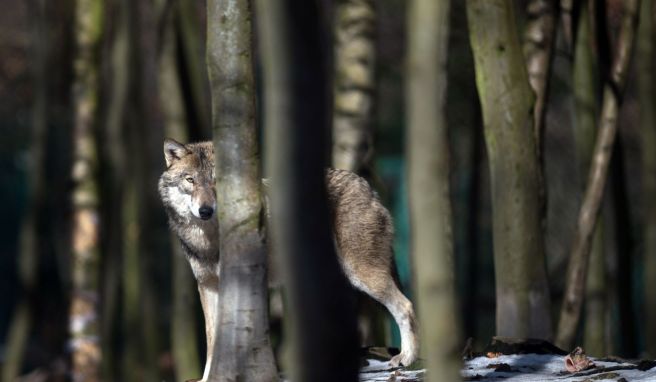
<point>586,94</point>
<point>355,85</point>
<point>580,252</point>
<point>22,321</point>
<point>184,342</point>
<point>646,62</point>
<point>430,205</point>
<point>242,350</point>
<point>507,102</point>
<point>84,310</point>
<point>322,337</point>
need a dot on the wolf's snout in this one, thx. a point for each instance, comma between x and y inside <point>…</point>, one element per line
<point>205,212</point>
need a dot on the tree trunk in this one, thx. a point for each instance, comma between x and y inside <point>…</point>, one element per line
<point>538,46</point>
<point>192,70</point>
<point>355,85</point>
<point>507,103</point>
<point>578,263</point>
<point>84,310</point>
<point>21,321</point>
<point>430,205</point>
<point>585,86</point>
<point>184,342</point>
<point>322,335</point>
<point>646,61</point>
<point>242,350</point>
<point>112,152</point>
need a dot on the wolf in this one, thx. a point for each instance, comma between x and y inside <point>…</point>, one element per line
<point>361,225</point>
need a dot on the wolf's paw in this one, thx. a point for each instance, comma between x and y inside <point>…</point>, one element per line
<point>402,359</point>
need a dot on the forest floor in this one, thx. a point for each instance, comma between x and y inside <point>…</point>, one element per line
<point>522,367</point>
<point>527,361</point>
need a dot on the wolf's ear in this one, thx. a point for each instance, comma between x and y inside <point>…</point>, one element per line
<point>173,151</point>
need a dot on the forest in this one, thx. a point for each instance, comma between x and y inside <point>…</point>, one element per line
<point>327,190</point>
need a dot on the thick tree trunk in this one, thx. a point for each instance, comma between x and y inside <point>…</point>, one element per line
<point>355,85</point>
<point>647,65</point>
<point>322,335</point>
<point>578,263</point>
<point>21,321</point>
<point>84,310</point>
<point>586,95</point>
<point>184,342</point>
<point>507,103</point>
<point>242,350</point>
<point>430,205</point>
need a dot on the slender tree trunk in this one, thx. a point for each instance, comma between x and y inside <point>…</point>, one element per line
<point>193,70</point>
<point>538,46</point>
<point>567,22</point>
<point>322,335</point>
<point>84,311</point>
<point>507,102</point>
<point>355,85</point>
<point>578,263</point>
<point>112,154</point>
<point>242,350</point>
<point>646,67</point>
<point>21,321</point>
<point>430,205</point>
<point>184,342</point>
<point>586,95</point>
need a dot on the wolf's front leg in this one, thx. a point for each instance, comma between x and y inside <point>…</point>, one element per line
<point>209,299</point>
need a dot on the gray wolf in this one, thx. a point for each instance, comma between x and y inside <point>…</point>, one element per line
<point>362,229</point>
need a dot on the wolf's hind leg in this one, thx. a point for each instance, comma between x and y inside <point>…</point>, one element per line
<point>381,286</point>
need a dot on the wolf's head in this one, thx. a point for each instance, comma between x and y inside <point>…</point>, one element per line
<point>187,185</point>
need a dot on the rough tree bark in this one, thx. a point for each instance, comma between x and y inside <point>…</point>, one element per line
<point>606,133</point>
<point>242,350</point>
<point>538,46</point>
<point>646,67</point>
<point>184,341</point>
<point>507,103</point>
<point>84,310</point>
<point>430,205</point>
<point>355,82</point>
<point>586,91</point>
<point>21,321</point>
<point>322,335</point>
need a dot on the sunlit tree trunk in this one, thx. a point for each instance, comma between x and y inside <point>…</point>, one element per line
<point>507,102</point>
<point>184,341</point>
<point>430,205</point>
<point>538,46</point>
<point>84,310</point>
<point>586,95</point>
<point>321,336</point>
<point>580,252</point>
<point>242,350</point>
<point>355,84</point>
<point>21,321</point>
<point>646,62</point>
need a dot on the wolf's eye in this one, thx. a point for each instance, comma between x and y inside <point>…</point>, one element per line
<point>190,180</point>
